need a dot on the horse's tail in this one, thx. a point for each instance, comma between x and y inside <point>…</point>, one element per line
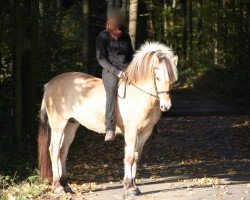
<point>44,133</point>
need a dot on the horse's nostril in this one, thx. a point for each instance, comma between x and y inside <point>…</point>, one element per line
<point>164,108</point>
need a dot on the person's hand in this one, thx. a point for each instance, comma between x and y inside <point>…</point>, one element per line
<point>123,75</point>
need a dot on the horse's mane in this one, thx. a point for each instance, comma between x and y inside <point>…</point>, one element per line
<point>142,65</point>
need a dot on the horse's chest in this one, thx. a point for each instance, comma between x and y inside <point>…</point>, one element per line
<point>150,118</point>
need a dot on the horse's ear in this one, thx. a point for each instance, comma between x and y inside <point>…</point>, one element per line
<point>160,56</point>
<point>175,60</point>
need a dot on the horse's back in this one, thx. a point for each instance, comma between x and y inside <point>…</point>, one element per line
<point>70,88</point>
<point>71,76</point>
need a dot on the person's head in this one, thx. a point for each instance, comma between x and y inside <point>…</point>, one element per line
<point>116,23</point>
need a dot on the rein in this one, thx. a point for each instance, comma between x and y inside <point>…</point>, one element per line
<point>153,95</point>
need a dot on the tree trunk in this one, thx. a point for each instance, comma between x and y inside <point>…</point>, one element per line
<point>17,75</point>
<point>215,38</point>
<point>199,26</point>
<point>132,20</point>
<point>59,23</point>
<point>190,33</point>
<point>110,7</point>
<point>176,41</point>
<point>118,3</point>
<point>184,32</point>
<point>124,7</point>
<point>85,43</point>
<point>165,25</point>
<point>29,71</point>
<point>114,4</point>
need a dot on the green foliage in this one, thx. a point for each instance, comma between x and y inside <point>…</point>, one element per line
<point>11,187</point>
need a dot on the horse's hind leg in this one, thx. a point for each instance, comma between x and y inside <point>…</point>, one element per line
<point>130,141</point>
<point>56,141</point>
<point>69,135</point>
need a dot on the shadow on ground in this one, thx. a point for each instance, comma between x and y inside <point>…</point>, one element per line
<point>184,148</point>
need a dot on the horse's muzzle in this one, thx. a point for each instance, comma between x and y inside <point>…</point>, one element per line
<point>164,108</point>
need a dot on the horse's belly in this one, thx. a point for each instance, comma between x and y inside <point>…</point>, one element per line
<point>92,117</point>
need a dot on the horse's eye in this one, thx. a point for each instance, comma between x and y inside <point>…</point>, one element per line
<point>157,78</point>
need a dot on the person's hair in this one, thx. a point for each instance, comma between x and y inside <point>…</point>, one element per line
<point>113,28</point>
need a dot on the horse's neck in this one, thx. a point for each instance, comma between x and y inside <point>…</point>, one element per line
<point>143,89</point>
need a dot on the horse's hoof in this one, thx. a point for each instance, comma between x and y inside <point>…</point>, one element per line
<point>138,191</point>
<point>68,189</point>
<point>58,190</point>
<point>133,192</point>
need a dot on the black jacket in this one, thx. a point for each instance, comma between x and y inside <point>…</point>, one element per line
<point>113,55</point>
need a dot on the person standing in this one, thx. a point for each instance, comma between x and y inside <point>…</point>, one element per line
<point>114,52</point>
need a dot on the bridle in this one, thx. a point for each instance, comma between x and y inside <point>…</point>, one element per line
<point>160,56</point>
<point>157,92</point>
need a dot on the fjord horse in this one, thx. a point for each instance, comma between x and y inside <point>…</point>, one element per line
<point>73,99</point>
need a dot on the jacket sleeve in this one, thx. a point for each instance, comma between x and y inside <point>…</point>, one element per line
<point>102,55</point>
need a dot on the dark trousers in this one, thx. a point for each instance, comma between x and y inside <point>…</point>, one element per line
<point>110,82</point>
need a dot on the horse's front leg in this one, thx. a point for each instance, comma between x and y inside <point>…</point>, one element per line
<point>130,142</point>
<point>138,151</point>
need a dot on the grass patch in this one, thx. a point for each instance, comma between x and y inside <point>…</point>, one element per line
<point>32,187</point>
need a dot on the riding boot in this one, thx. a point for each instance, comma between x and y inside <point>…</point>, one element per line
<point>110,136</point>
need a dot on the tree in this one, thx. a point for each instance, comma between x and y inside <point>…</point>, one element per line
<point>133,20</point>
<point>199,25</point>
<point>17,77</point>
<point>190,33</point>
<point>29,72</point>
<point>59,22</point>
<point>114,4</point>
<point>184,32</point>
<point>85,43</point>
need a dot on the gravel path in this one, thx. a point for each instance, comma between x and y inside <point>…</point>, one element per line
<point>195,154</point>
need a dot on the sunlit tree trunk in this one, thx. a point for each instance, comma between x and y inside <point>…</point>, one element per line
<point>133,20</point>
<point>85,43</point>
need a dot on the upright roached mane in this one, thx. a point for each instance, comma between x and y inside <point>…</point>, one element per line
<point>142,65</point>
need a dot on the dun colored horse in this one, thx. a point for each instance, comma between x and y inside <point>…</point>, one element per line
<point>73,99</point>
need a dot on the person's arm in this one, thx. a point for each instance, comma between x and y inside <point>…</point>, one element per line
<point>101,55</point>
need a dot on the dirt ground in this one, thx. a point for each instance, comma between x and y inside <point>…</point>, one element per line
<point>197,154</point>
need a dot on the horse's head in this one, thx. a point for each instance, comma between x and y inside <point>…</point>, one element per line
<point>165,74</point>
<point>154,61</point>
